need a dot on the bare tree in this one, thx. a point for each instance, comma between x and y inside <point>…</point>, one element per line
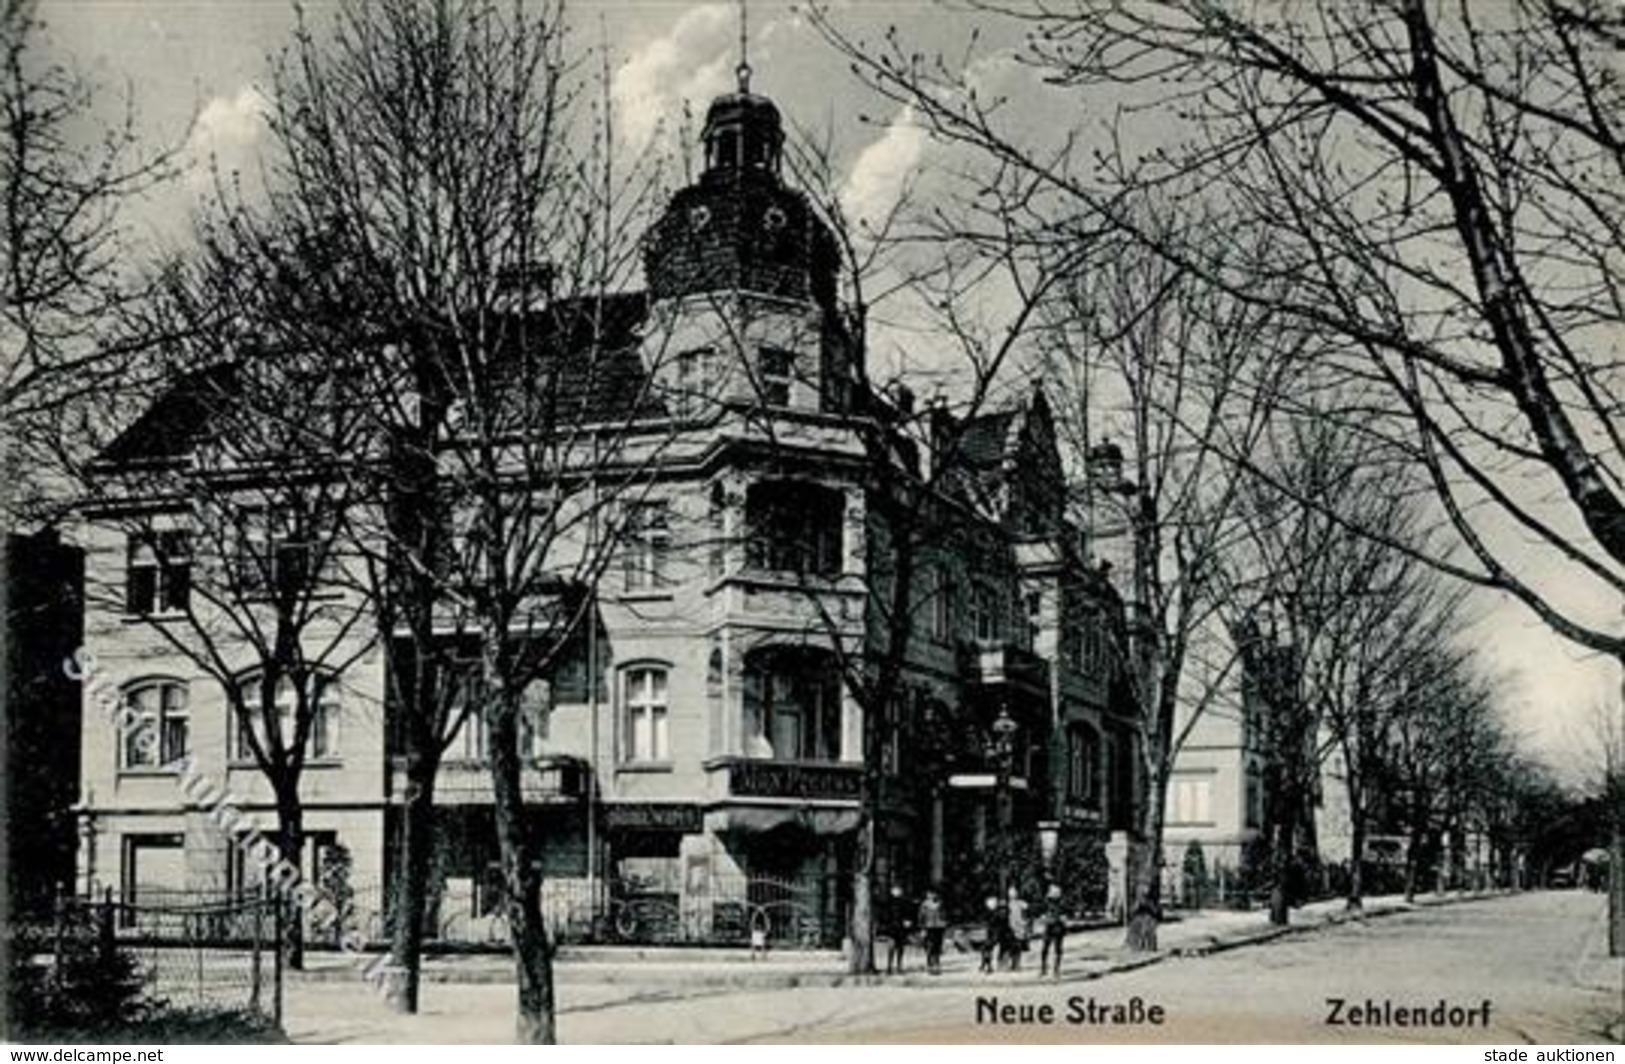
<point>1345,613</point>
<point>1187,377</point>
<point>231,519</point>
<point>440,168</point>
<point>68,342</point>
<point>977,298</point>
<point>1444,183</point>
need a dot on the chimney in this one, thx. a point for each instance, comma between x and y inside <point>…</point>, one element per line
<point>1105,466</point>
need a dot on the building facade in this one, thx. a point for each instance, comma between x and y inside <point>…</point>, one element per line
<point>697,755</point>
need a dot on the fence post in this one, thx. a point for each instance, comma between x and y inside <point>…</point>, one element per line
<point>105,936</point>
<point>276,965</point>
<point>59,914</point>
<point>254,963</point>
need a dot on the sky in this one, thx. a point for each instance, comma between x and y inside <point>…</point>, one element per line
<point>196,73</point>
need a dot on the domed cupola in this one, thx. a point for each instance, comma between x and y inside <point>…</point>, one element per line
<point>738,228</point>
<point>743,134</point>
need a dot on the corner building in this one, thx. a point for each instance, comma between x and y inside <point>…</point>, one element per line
<point>696,763</point>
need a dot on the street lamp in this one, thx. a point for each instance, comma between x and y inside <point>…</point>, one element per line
<point>1004,731</point>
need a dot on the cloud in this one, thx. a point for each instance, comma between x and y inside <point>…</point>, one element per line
<point>692,62</point>
<point>882,170</point>
<point>228,131</point>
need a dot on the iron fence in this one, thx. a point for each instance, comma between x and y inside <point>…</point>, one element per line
<point>756,911</point>
<point>186,951</point>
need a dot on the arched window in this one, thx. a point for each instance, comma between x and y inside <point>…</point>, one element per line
<point>1083,764</point>
<point>323,705</point>
<point>159,730</point>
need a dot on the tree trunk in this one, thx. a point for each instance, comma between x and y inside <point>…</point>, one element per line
<point>1281,869</point>
<point>1356,892</point>
<point>1145,874</point>
<point>862,959</point>
<point>535,1023</point>
<point>291,845</point>
<point>411,888</point>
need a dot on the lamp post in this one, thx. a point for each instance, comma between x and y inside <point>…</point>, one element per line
<point>1003,750</point>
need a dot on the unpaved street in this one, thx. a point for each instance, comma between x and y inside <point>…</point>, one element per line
<point>1536,958</point>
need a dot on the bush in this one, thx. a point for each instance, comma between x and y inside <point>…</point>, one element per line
<point>1083,871</point>
<point>98,987</point>
<point>974,875</point>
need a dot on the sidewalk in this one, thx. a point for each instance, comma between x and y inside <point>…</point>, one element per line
<point>1089,955</point>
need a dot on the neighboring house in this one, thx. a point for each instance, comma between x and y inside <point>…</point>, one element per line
<point>698,743</point>
<point>1216,791</point>
<point>43,587</point>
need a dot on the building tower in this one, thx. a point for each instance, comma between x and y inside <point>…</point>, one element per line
<point>742,276</point>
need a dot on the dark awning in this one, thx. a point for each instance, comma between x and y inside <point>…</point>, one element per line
<point>760,819</point>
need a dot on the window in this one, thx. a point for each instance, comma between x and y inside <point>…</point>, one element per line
<point>794,528</point>
<point>792,706</point>
<point>647,544</point>
<point>647,735</point>
<point>159,733</point>
<point>717,529</point>
<point>1083,761</point>
<point>1255,798</point>
<point>984,611</point>
<point>775,369</point>
<point>281,551</point>
<point>158,578</point>
<point>535,717</point>
<point>322,740</point>
<point>1192,802</point>
<point>941,590</point>
<point>1034,618</point>
<point>153,873</point>
<point>692,382</point>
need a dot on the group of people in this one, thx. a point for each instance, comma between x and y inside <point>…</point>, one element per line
<point>1007,932</point>
<point>898,919</point>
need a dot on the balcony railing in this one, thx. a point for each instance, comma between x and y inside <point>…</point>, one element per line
<point>992,662</point>
<point>463,781</point>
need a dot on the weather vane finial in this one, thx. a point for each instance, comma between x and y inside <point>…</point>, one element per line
<point>743,70</point>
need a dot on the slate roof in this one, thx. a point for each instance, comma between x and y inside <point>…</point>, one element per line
<point>603,379</point>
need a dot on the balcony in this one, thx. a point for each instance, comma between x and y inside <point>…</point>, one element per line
<point>743,777</point>
<point>991,663</point>
<point>546,780</point>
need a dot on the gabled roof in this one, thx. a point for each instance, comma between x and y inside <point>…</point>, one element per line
<point>173,425</point>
